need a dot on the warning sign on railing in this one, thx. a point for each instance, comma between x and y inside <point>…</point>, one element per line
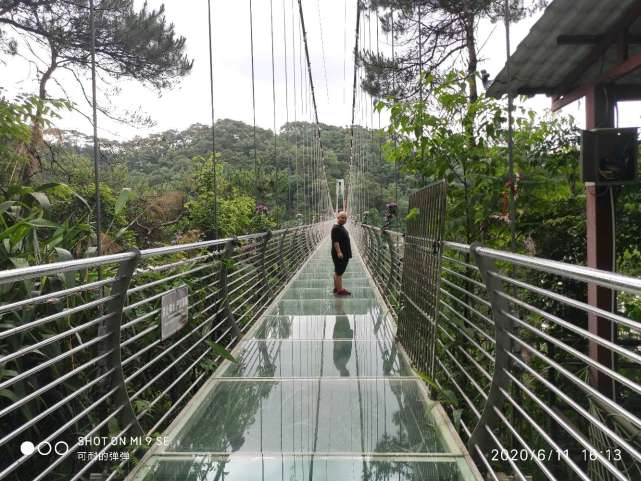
<point>174,312</point>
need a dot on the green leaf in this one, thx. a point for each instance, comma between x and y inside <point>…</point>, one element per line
<point>39,222</point>
<point>221,351</point>
<point>5,206</point>
<point>11,396</point>
<point>63,254</point>
<point>19,262</point>
<point>42,199</point>
<point>125,196</point>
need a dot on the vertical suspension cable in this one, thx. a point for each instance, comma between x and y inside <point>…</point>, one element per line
<point>320,24</point>
<point>351,191</point>
<point>296,200</point>
<point>213,122</point>
<point>420,72</point>
<point>96,145</point>
<point>344,51</point>
<point>289,159</point>
<point>251,39</point>
<point>315,137</point>
<point>271,31</point>
<point>396,166</point>
<point>380,131</point>
<point>370,104</point>
<point>510,130</point>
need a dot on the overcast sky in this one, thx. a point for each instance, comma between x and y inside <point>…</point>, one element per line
<point>188,103</point>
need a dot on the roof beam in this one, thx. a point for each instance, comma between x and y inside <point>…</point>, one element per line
<point>618,92</point>
<point>591,39</point>
<point>622,25</point>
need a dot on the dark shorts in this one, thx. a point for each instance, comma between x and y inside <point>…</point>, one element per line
<point>340,265</point>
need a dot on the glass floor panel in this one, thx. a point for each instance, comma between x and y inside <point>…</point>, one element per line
<point>329,274</point>
<point>304,468</point>
<point>337,306</point>
<point>325,293</point>
<point>364,326</point>
<point>329,283</point>
<point>329,358</point>
<point>320,392</point>
<point>306,416</point>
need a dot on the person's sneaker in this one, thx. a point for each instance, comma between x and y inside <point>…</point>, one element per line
<point>343,292</point>
<point>334,290</point>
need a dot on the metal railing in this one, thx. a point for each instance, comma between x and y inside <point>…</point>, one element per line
<point>84,368</point>
<point>513,361</point>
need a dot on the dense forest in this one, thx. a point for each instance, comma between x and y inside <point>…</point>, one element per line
<point>158,189</point>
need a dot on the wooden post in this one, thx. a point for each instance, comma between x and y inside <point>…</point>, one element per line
<point>600,244</point>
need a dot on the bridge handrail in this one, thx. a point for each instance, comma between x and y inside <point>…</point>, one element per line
<point>85,349</point>
<point>515,350</point>
<point>31,272</point>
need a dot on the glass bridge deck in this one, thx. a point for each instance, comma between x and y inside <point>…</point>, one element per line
<point>320,392</point>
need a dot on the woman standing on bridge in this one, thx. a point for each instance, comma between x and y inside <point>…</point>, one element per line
<point>341,253</point>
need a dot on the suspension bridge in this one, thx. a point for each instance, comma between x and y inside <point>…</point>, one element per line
<point>231,359</point>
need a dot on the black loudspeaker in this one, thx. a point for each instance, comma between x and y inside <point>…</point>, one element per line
<point>610,156</point>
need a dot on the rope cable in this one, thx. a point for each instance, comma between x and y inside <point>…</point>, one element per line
<point>320,24</point>
<point>297,206</point>
<point>271,27</point>
<point>289,160</point>
<point>510,143</point>
<point>213,123</point>
<point>96,142</point>
<point>251,39</point>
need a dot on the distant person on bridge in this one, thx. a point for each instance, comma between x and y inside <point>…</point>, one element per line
<point>341,253</point>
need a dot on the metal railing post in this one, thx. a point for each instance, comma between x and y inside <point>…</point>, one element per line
<point>263,271</point>
<point>281,257</point>
<point>500,380</point>
<point>224,288</point>
<point>115,308</point>
<point>392,260</point>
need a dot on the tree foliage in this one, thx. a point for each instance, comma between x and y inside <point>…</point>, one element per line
<point>433,35</point>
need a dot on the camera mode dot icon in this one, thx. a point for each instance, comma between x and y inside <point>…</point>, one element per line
<point>27,448</point>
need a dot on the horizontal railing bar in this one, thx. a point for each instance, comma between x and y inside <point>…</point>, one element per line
<point>459,389</point>
<point>186,371</point>
<point>58,380</point>
<point>578,408</point>
<point>56,316</point>
<point>140,319</point>
<point>56,295</point>
<point>568,428</point>
<point>142,287</point>
<point>571,302</point>
<point>52,361</point>
<point>31,272</point>
<point>583,386</point>
<point>603,278</point>
<point>465,278</point>
<point>175,404</point>
<point>575,329</point>
<point>52,408</point>
<point>467,306</point>
<point>469,322</point>
<point>525,445</point>
<point>49,340</point>
<point>25,457</point>
<point>570,350</point>
<point>466,336</point>
<point>467,293</point>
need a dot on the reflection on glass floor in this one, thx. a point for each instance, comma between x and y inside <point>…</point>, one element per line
<point>320,392</point>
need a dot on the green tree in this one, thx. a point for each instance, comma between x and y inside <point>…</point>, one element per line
<point>130,43</point>
<point>446,29</point>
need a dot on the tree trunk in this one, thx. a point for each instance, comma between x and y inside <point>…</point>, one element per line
<point>33,160</point>
<point>472,59</point>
